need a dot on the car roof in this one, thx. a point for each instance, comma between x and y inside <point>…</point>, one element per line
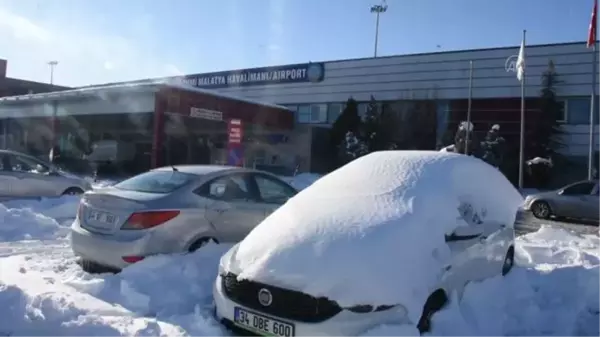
<point>16,153</point>
<point>206,169</point>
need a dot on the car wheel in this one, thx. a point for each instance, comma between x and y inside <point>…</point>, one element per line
<point>434,303</point>
<point>509,261</point>
<point>73,191</point>
<point>200,243</point>
<point>541,209</point>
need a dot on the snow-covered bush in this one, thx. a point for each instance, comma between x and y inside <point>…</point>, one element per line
<point>493,147</point>
<point>354,147</point>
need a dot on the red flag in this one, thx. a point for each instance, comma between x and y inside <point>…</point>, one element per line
<point>591,41</point>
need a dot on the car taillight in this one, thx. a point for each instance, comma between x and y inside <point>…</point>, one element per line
<point>132,259</point>
<point>145,220</point>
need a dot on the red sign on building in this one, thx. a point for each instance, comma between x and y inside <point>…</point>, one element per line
<point>235,150</point>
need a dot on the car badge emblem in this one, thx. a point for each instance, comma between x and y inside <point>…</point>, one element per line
<point>264,297</point>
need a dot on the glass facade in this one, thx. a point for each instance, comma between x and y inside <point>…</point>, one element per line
<point>577,111</point>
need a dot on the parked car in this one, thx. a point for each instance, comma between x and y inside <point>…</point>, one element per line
<point>385,239</point>
<point>577,201</point>
<point>171,210</point>
<point>23,176</point>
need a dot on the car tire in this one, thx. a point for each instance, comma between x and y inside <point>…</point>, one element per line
<point>73,191</point>
<point>541,209</point>
<point>435,302</point>
<point>509,261</point>
<point>200,243</point>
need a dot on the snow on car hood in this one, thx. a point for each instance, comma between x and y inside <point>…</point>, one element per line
<point>372,232</point>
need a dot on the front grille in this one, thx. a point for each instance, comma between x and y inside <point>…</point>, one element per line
<point>287,304</point>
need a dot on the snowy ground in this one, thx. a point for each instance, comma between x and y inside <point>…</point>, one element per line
<point>552,291</point>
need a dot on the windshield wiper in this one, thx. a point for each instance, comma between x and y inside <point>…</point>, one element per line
<point>174,168</point>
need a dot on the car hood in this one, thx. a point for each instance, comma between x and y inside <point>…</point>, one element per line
<point>372,232</point>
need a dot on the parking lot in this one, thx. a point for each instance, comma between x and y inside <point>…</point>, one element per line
<point>527,223</point>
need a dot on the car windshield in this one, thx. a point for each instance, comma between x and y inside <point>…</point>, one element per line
<point>156,182</point>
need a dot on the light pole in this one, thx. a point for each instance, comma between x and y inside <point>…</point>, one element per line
<point>52,64</point>
<point>378,9</point>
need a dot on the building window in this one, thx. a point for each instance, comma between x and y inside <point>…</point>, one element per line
<point>562,118</point>
<point>312,114</point>
<point>318,113</point>
<point>577,111</point>
<point>334,111</point>
<point>303,114</point>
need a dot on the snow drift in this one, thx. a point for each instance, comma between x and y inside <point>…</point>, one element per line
<point>372,232</point>
<point>24,224</point>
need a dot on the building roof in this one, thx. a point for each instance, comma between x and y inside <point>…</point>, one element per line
<point>10,83</point>
<point>137,86</point>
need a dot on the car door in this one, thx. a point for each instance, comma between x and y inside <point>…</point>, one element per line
<point>233,208</point>
<point>592,207</point>
<point>273,193</point>
<point>472,247</point>
<point>31,182</point>
<point>573,201</point>
<point>8,179</point>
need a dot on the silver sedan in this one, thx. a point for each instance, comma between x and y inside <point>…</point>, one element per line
<point>24,176</point>
<point>577,201</point>
<point>172,210</point>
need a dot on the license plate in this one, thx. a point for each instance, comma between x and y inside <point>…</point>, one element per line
<point>102,217</point>
<point>262,325</point>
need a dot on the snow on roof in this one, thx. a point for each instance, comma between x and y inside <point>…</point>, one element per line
<point>373,231</point>
<point>153,85</point>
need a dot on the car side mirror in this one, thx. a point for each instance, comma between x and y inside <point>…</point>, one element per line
<point>41,169</point>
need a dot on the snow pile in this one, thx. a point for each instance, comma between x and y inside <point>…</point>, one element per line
<point>25,224</point>
<point>386,208</point>
<point>63,208</point>
<point>161,295</point>
<point>552,291</point>
<point>302,180</point>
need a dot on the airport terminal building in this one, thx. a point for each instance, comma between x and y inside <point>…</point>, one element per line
<point>434,84</point>
<point>439,81</point>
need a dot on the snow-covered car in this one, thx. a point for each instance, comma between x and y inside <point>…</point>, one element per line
<point>387,238</point>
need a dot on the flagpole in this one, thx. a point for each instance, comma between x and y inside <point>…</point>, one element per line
<point>592,110</point>
<point>522,133</point>
<point>469,107</point>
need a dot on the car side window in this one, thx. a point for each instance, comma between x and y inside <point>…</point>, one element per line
<point>5,163</point>
<point>584,188</point>
<point>273,191</point>
<point>227,188</point>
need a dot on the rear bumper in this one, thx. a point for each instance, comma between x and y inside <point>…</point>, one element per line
<point>104,249</point>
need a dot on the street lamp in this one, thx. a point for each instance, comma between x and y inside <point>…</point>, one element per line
<point>52,64</point>
<point>378,9</point>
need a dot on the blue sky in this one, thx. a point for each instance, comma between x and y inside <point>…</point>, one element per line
<point>97,41</point>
